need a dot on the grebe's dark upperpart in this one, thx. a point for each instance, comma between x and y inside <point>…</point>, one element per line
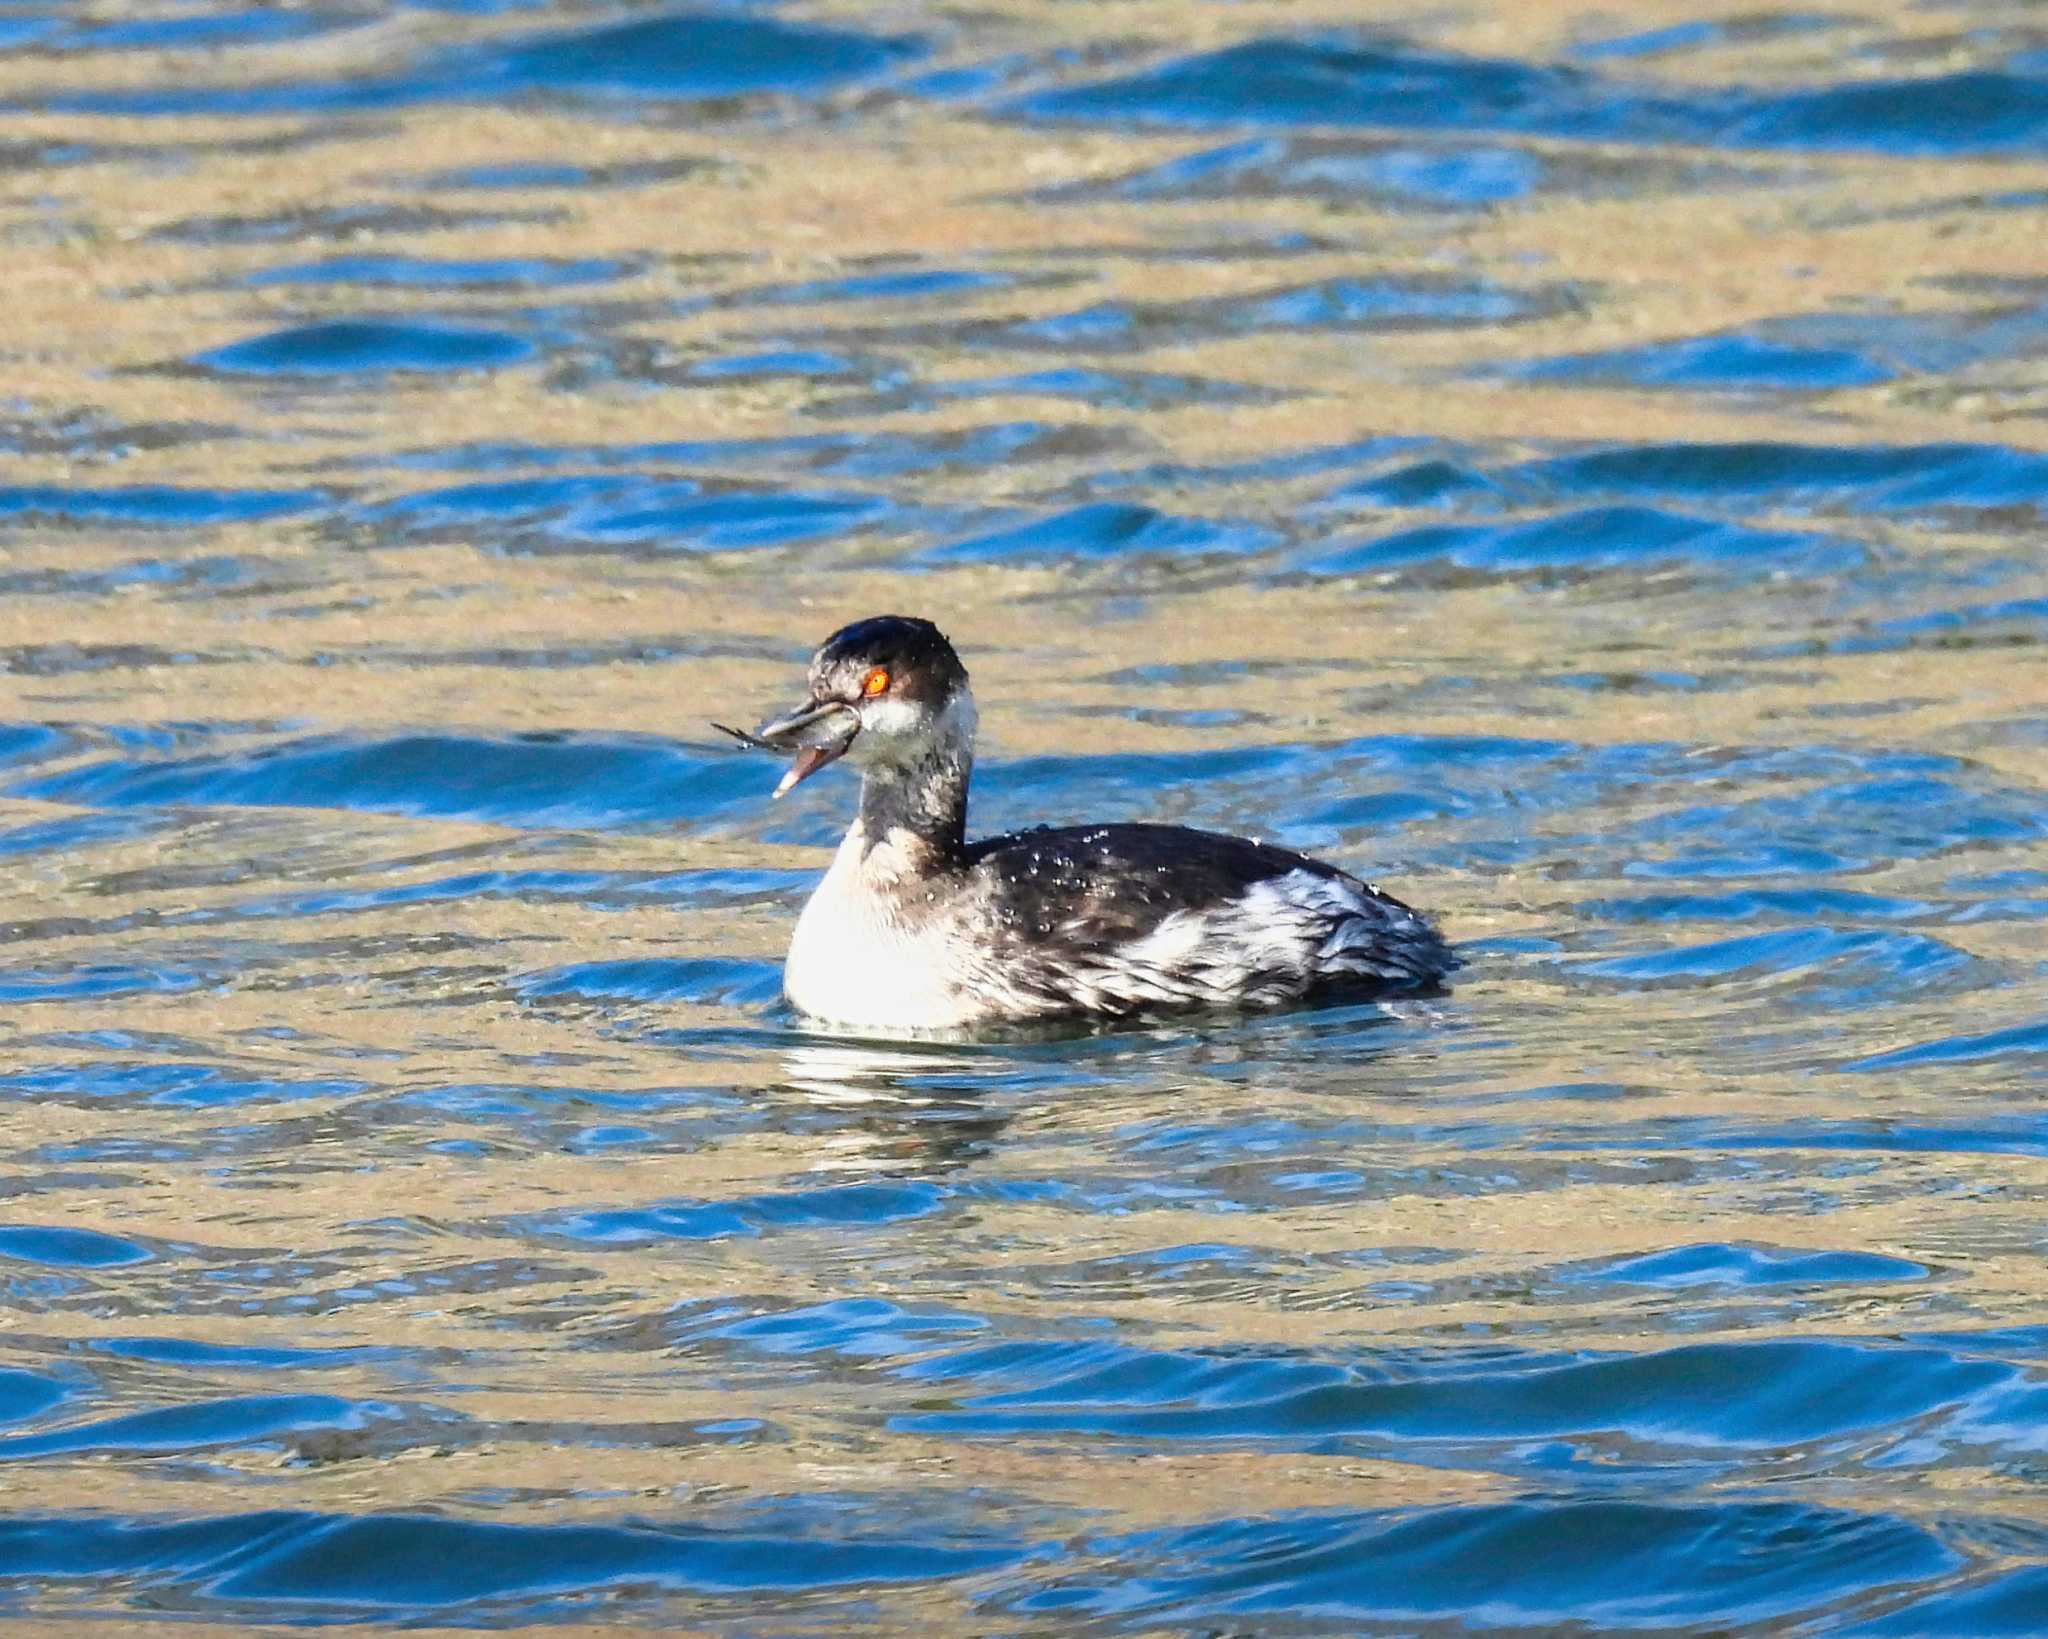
<point>916,928</point>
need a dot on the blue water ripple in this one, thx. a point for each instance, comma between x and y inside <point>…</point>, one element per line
<point>2009,1606</point>
<point>1600,538</point>
<point>1705,32</point>
<point>75,832</point>
<point>1351,80</point>
<point>1103,529</point>
<point>395,1563</point>
<point>1380,305</point>
<point>658,514</point>
<point>208,1425</point>
<point>675,57</point>
<point>30,743</point>
<point>173,1083</point>
<point>909,284</point>
<point>25,1394</point>
<point>1840,825</point>
<point>199,31</point>
<point>179,1351</point>
<point>1759,904</point>
<point>83,981</point>
<point>1124,389</point>
<point>2007,621</point>
<point>713,981</point>
<point>1863,477</point>
<point>597,890</point>
<point>600,782</point>
<point>1536,1566</point>
<point>68,1247</point>
<point>153,506</point>
<point>1734,362</point>
<point>871,452</point>
<point>1912,958</point>
<point>428,273</point>
<point>1674,1406</point>
<point>355,347</point>
<point>689,55</point>
<point>1466,176</point>
<point>852,1206</point>
<point>788,363</point>
<point>1716,1264</point>
<point>2020,1042</point>
<point>848,1328</point>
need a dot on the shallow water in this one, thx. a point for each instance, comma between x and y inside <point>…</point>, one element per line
<point>1586,472</point>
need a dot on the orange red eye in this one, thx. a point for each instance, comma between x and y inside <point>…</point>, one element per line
<point>877,682</point>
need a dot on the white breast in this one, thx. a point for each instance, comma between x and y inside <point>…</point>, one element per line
<point>855,962</point>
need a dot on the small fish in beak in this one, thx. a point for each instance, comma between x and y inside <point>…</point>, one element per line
<point>818,731</point>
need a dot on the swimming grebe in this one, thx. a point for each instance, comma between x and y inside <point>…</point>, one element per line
<point>916,928</point>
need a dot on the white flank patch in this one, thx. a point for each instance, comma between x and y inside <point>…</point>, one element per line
<point>1175,944</point>
<point>1271,942</point>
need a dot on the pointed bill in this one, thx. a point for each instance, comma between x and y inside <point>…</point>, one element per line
<point>817,732</point>
<point>806,763</point>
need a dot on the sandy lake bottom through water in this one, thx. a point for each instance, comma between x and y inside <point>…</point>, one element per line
<point>1584,468</point>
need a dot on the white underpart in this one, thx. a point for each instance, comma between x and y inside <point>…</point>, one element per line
<point>852,962</point>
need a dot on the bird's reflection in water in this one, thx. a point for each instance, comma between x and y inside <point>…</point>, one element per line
<point>897,1107</point>
<point>929,1107</point>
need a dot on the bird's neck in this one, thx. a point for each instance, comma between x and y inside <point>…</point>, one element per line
<point>918,805</point>
<point>920,808</point>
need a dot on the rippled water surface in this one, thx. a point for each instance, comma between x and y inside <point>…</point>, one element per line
<point>1583,466</point>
